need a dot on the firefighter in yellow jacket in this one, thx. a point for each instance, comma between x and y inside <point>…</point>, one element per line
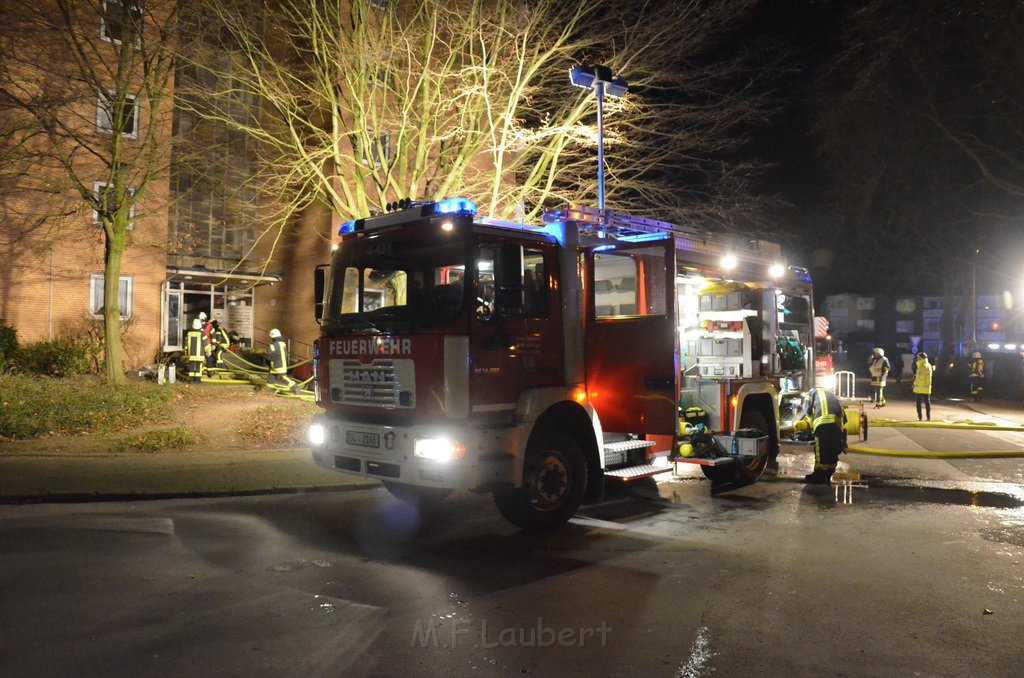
<point>977,377</point>
<point>824,416</point>
<point>923,384</point>
<point>196,354</point>
<point>277,356</point>
<point>878,366</point>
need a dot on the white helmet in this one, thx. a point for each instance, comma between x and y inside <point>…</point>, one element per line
<point>275,333</point>
<point>977,354</point>
<point>202,315</point>
<point>197,324</point>
<point>879,352</point>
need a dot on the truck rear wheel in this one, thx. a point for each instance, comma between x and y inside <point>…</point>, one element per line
<point>418,496</point>
<point>748,470</point>
<point>554,481</point>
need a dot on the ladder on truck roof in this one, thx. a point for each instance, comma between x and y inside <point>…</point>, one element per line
<point>622,226</point>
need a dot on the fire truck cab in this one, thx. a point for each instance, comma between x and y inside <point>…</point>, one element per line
<point>535,362</point>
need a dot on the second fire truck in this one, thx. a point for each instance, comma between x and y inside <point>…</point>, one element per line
<point>537,362</point>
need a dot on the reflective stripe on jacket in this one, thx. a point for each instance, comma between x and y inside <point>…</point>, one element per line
<point>278,356</point>
<point>923,376</point>
<point>824,408</point>
<point>194,345</point>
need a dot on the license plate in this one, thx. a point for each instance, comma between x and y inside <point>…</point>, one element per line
<point>362,439</point>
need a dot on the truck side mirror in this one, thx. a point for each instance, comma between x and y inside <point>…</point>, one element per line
<point>509,295</point>
<point>319,290</point>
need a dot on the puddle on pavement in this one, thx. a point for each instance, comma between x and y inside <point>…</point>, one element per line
<point>848,489</point>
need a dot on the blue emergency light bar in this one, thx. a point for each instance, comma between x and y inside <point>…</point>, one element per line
<point>413,212</point>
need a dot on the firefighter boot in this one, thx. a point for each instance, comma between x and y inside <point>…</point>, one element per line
<point>820,476</point>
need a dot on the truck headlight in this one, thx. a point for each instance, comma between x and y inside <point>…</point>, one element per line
<point>317,434</point>
<point>439,449</point>
<point>828,382</point>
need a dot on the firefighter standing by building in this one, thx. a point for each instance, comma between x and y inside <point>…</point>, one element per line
<point>277,356</point>
<point>824,416</point>
<point>196,355</point>
<point>220,342</point>
<point>977,377</point>
<point>923,384</point>
<point>878,366</point>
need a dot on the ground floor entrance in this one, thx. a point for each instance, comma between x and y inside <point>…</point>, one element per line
<point>228,298</point>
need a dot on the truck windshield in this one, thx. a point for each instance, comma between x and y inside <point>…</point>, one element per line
<point>378,281</point>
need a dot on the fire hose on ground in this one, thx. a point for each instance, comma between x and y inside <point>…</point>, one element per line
<point>860,426</point>
<point>291,389</point>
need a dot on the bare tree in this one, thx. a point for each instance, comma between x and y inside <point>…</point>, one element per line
<point>85,89</point>
<point>368,102</point>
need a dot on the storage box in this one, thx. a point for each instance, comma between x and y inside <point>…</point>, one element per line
<point>744,447</point>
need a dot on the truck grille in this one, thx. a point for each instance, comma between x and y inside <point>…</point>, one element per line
<point>381,383</point>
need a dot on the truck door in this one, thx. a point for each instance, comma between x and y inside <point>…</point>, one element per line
<point>632,343</point>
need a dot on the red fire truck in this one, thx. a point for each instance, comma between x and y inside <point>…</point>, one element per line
<point>535,362</point>
<point>824,371</point>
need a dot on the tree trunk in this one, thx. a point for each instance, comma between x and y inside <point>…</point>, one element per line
<point>116,235</point>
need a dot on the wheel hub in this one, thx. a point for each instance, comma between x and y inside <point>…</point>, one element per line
<point>552,480</point>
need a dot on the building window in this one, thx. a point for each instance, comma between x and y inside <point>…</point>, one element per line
<point>931,327</point>
<point>866,324</point>
<point>905,326</point>
<point>865,303</point>
<point>378,152</point>
<point>100,190</point>
<point>121,116</point>
<point>124,296</point>
<point>120,20</point>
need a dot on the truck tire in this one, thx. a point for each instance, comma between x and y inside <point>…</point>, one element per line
<point>417,496</point>
<point>554,482</point>
<point>742,473</point>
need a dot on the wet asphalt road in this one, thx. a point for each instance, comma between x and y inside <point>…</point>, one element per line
<point>919,574</point>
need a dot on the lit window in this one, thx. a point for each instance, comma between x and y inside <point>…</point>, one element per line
<point>113,115</point>
<point>124,296</point>
<point>120,20</point>
<point>100,191</point>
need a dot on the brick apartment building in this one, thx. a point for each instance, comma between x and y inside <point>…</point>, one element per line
<point>190,236</point>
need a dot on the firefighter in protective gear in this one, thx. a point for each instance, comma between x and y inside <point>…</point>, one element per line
<point>923,384</point>
<point>208,347</point>
<point>221,342</point>
<point>878,366</point>
<point>977,377</point>
<point>824,416</point>
<point>194,347</point>
<point>277,356</point>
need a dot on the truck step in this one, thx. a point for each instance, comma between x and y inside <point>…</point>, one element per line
<point>717,461</point>
<point>636,472</point>
<point>625,445</point>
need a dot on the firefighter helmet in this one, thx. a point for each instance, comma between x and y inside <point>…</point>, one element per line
<point>879,352</point>
<point>275,333</point>
<point>802,424</point>
<point>977,354</point>
<point>202,315</point>
<point>197,324</point>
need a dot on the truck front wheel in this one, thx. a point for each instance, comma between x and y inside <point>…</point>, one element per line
<point>554,481</point>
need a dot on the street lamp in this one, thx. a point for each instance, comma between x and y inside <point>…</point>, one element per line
<point>601,80</point>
